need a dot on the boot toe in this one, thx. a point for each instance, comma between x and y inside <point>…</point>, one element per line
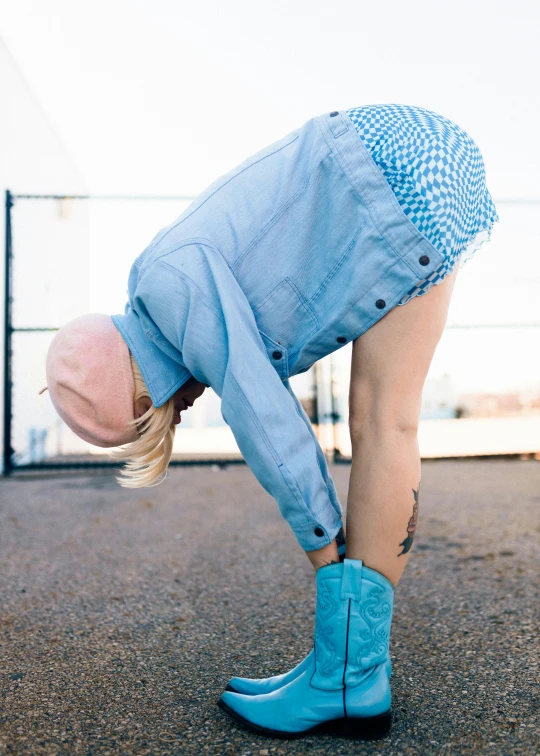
<point>244,710</point>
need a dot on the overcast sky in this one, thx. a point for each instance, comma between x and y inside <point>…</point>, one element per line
<point>165,96</point>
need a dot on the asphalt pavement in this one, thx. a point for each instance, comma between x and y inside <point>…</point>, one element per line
<point>124,613</point>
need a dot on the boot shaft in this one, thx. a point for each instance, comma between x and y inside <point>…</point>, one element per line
<point>352,623</point>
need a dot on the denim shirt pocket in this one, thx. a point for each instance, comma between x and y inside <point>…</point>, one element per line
<point>284,320</point>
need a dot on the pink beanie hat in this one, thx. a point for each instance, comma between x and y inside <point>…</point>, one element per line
<point>90,380</point>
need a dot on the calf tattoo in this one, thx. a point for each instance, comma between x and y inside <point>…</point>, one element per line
<point>411,527</point>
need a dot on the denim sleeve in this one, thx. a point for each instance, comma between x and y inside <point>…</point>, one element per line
<point>201,309</point>
<point>323,465</point>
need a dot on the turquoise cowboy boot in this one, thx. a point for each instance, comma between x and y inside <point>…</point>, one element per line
<point>250,686</point>
<point>345,689</point>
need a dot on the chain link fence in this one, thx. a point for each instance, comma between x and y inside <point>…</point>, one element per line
<point>67,255</point>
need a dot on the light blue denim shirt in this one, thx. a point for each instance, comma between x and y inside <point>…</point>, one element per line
<point>295,252</point>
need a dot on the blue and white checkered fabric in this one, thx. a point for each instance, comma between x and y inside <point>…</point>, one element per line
<point>437,174</point>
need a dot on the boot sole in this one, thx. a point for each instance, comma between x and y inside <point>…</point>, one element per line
<point>361,728</point>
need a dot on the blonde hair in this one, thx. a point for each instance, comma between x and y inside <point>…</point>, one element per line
<point>148,457</point>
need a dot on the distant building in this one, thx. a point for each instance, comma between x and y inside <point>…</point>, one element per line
<point>499,405</point>
<point>438,399</point>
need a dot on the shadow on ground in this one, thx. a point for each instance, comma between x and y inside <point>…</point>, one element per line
<point>124,613</point>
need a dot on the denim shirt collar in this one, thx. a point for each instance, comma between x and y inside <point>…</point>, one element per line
<point>162,374</point>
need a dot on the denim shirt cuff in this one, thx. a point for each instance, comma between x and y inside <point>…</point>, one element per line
<point>318,533</point>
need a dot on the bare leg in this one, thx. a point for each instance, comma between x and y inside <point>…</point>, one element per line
<point>326,555</point>
<point>390,362</point>
<point>389,366</point>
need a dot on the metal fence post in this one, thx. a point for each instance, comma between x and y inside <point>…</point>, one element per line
<point>8,451</point>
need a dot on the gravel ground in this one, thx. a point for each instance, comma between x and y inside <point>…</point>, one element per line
<point>123,614</point>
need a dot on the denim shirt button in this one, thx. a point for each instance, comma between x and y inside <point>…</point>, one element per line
<point>424,260</point>
<point>334,113</point>
<point>319,532</point>
<point>277,355</point>
<point>380,303</point>
<point>341,339</point>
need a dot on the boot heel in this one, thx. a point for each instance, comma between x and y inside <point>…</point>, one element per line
<point>364,728</point>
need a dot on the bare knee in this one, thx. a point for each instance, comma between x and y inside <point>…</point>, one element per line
<point>390,362</point>
<point>361,432</point>
<point>374,417</point>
